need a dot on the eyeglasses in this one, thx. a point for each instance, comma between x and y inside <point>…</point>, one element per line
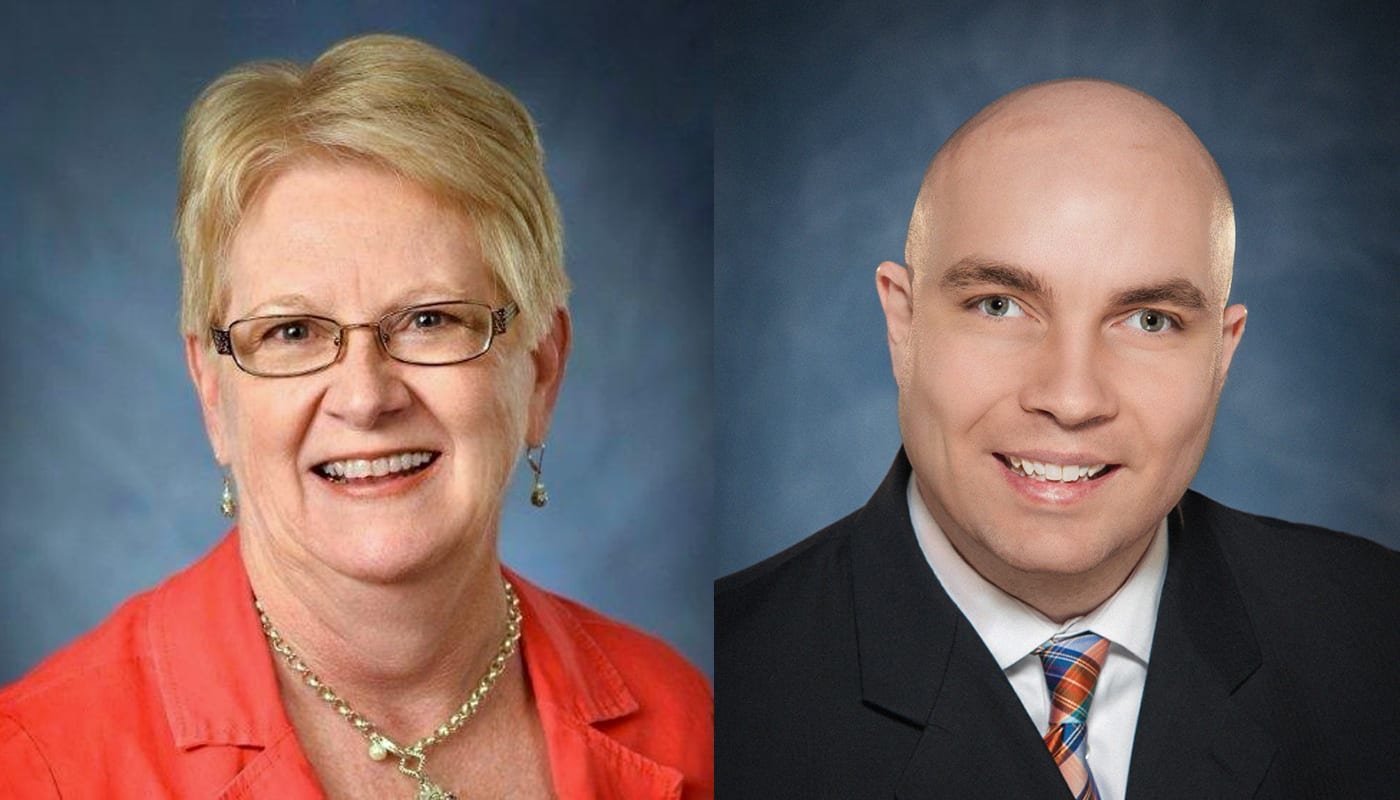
<point>433,335</point>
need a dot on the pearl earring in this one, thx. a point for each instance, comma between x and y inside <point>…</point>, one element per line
<point>228,505</point>
<point>534,456</point>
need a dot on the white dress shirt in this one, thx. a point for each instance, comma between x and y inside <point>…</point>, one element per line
<point>1012,630</point>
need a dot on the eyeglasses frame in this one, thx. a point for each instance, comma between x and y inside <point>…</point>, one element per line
<point>500,318</point>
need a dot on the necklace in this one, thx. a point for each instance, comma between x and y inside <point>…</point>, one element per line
<point>413,758</point>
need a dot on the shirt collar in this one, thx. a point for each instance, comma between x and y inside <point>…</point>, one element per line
<point>1010,628</point>
<point>216,674</point>
<point>214,670</point>
<point>568,669</point>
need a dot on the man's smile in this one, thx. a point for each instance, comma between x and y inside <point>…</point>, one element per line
<point>1054,471</point>
<point>1056,479</point>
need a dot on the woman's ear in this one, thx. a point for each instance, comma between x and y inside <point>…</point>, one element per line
<point>204,372</point>
<point>550,356</point>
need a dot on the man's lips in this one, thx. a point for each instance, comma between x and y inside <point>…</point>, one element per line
<point>1064,468</point>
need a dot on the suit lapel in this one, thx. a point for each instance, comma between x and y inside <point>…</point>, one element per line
<point>979,741</point>
<point>922,662</point>
<point>1194,736</point>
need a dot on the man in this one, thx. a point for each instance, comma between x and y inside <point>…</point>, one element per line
<point>1033,604</point>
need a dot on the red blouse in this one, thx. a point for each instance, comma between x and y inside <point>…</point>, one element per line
<point>175,696</point>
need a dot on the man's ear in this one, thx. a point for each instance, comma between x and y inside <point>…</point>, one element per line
<point>203,366</point>
<point>1230,335</point>
<point>894,284</point>
<point>550,356</point>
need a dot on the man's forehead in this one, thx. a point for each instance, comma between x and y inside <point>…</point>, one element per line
<point>1076,168</point>
<point>1078,106</point>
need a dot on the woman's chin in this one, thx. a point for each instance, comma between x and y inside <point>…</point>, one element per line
<point>385,559</point>
<point>386,555</point>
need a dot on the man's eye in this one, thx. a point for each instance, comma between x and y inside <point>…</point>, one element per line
<point>999,305</point>
<point>1150,321</point>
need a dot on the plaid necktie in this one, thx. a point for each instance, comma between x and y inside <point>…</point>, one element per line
<point>1072,667</point>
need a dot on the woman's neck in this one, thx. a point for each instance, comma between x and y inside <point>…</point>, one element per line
<point>405,654</point>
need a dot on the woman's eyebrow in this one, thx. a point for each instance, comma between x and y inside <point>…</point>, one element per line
<point>281,301</point>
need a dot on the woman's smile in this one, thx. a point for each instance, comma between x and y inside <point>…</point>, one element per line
<point>362,468</point>
<point>378,477</point>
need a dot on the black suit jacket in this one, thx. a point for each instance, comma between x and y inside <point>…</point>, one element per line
<point>844,670</point>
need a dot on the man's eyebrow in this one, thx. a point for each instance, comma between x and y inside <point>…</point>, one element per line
<point>973,271</point>
<point>1177,291</point>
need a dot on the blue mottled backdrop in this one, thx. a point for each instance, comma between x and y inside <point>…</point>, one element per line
<point>107,483</point>
<point>827,113</point>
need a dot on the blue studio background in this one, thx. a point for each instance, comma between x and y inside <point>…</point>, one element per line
<point>108,483</point>
<point>827,113</point>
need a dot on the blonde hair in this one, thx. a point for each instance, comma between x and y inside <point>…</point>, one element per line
<point>392,101</point>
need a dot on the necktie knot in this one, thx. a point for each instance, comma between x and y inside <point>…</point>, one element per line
<point>1072,666</point>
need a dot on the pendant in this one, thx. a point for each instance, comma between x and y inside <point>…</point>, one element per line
<point>427,790</point>
<point>378,750</point>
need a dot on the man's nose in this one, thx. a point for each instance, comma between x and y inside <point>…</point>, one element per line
<point>1068,380</point>
<point>367,384</point>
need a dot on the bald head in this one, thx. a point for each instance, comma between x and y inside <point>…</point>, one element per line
<point>1073,143</point>
<point>1065,302</point>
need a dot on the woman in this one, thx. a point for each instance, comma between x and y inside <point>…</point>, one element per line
<point>375,323</point>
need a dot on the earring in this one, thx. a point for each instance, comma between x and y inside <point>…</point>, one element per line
<point>534,456</point>
<point>228,506</point>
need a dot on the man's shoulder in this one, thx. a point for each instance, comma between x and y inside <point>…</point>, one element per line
<point>792,615</point>
<point>1290,548</point>
<point>812,563</point>
<point>1301,574</point>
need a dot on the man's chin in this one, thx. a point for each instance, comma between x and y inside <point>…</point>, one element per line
<point>1058,555</point>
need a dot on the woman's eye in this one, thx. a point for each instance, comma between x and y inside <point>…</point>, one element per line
<point>428,319</point>
<point>290,332</point>
<point>1150,321</point>
<point>999,305</point>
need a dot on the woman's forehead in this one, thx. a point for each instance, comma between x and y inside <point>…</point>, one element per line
<point>329,234</point>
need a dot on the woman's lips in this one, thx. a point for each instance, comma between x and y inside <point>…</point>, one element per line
<point>368,469</point>
<point>355,480</point>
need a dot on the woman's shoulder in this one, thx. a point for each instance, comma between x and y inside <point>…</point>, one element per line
<point>112,655</point>
<point>650,667</point>
<point>140,695</point>
<point>80,704</point>
<point>617,699</point>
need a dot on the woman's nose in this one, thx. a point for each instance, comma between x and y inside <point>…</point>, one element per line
<point>367,384</point>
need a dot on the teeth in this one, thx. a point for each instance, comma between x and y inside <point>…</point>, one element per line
<point>356,468</point>
<point>1061,473</point>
